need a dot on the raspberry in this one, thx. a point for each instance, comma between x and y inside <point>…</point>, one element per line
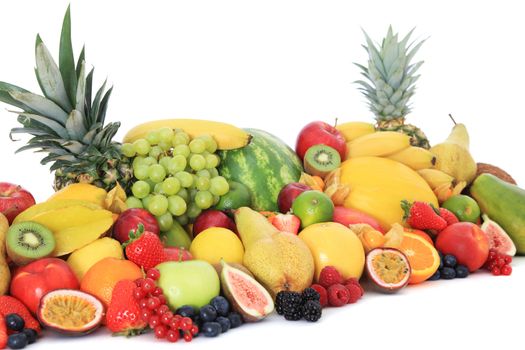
<point>323,294</point>
<point>354,281</point>
<point>506,270</point>
<point>354,292</point>
<point>330,276</point>
<point>338,295</point>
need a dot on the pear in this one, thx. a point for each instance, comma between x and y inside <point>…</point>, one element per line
<point>453,156</point>
<point>278,260</point>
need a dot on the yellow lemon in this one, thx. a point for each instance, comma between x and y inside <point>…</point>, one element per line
<point>216,243</point>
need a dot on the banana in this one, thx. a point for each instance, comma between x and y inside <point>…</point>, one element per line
<point>378,144</point>
<point>436,178</point>
<point>354,130</point>
<point>416,158</point>
<point>227,136</point>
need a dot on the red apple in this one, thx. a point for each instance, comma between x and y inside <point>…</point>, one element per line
<point>31,282</point>
<point>320,133</point>
<point>466,242</point>
<point>177,254</point>
<point>130,219</point>
<point>349,216</point>
<point>14,200</point>
<point>288,194</point>
<point>212,218</point>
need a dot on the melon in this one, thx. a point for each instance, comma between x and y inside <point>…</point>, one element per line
<point>265,166</point>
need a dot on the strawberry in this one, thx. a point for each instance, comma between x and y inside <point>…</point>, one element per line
<point>145,248</point>
<point>124,315</point>
<point>449,216</point>
<point>3,332</point>
<point>11,305</point>
<point>423,216</point>
<point>286,222</point>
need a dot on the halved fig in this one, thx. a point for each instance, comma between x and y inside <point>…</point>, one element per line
<point>388,269</point>
<point>70,312</point>
<point>247,296</point>
<point>498,238</point>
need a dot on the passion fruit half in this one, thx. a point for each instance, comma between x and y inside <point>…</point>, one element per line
<point>387,269</point>
<point>70,312</point>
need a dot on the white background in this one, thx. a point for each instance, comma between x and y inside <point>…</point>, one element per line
<point>277,65</point>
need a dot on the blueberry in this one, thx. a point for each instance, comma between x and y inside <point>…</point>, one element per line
<point>448,273</point>
<point>186,311</point>
<point>450,261</point>
<point>17,341</point>
<point>211,329</point>
<point>235,319</point>
<point>221,304</point>
<point>14,322</point>
<point>225,323</point>
<point>462,271</point>
<point>440,261</point>
<point>436,276</point>
<point>208,313</point>
<point>31,335</point>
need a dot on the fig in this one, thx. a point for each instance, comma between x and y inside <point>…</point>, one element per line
<point>387,269</point>
<point>247,296</point>
<point>70,312</point>
<point>498,238</point>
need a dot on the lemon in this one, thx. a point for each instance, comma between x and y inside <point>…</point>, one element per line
<point>216,243</point>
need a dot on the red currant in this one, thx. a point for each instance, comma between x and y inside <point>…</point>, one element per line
<point>492,254</point>
<point>194,330</point>
<point>154,274</point>
<point>166,317</point>
<point>143,303</point>
<point>157,292</point>
<point>508,259</point>
<point>148,285</point>
<point>138,293</point>
<point>186,323</point>
<point>153,303</point>
<point>496,271</point>
<point>162,309</point>
<point>154,321</point>
<point>139,281</point>
<point>145,314</point>
<point>506,270</point>
<point>172,336</point>
<point>174,323</point>
<point>500,262</point>
<point>160,332</point>
<point>162,299</point>
<point>188,337</point>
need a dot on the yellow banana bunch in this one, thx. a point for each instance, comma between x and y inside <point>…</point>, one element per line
<point>377,144</point>
<point>416,158</point>
<point>354,130</point>
<point>446,191</point>
<point>226,135</point>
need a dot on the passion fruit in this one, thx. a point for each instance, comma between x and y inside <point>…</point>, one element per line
<point>387,269</point>
<point>70,312</point>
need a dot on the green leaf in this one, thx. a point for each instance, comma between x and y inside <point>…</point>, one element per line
<point>89,85</point>
<point>67,59</point>
<point>104,106</point>
<point>5,96</point>
<point>81,59</point>
<point>75,125</point>
<point>40,105</point>
<point>53,125</point>
<point>96,103</point>
<point>81,90</point>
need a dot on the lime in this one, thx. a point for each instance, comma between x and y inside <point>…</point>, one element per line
<point>238,196</point>
<point>313,207</point>
<point>464,207</point>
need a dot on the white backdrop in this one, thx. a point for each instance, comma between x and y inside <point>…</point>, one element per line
<point>277,65</point>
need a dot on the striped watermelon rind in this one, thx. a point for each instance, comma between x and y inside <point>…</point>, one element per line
<point>265,166</point>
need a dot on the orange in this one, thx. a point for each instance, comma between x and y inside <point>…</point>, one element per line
<point>422,256</point>
<point>102,277</point>
<point>420,233</point>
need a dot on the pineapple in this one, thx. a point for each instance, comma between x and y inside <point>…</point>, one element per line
<point>67,122</point>
<point>391,83</point>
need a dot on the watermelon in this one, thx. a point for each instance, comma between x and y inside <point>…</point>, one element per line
<point>265,166</point>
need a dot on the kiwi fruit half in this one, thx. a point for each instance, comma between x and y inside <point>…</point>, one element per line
<point>320,160</point>
<point>29,241</point>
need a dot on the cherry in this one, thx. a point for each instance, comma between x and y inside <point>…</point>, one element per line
<point>506,270</point>
<point>160,332</point>
<point>173,336</point>
<point>154,274</point>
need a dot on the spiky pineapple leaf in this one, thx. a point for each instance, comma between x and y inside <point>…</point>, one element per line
<point>40,105</point>
<point>104,107</point>
<point>89,86</point>
<point>81,58</point>
<point>49,123</point>
<point>95,106</point>
<point>81,91</point>
<point>75,125</point>
<point>5,96</point>
<point>66,58</point>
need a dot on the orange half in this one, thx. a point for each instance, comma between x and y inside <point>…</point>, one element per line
<point>422,256</point>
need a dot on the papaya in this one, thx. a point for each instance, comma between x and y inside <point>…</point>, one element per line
<point>504,203</point>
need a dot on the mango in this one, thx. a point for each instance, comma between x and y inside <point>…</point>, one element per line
<point>82,259</point>
<point>29,213</point>
<point>81,191</point>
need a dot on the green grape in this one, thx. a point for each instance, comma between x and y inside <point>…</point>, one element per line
<point>204,199</point>
<point>197,146</point>
<point>184,194</point>
<point>138,160</point>
<point>216,199</point>
<point>192,192</point>
<point>140,189</point>
<point>151,183</point>
<point>165,135</point>
<point>133,202</point>
<point>141,146</point>
<point>128,150</point>
<point>171,185</point>
<point>212,161</point>
<point>165,221</point>
<point>180,138</point>
<point>176,164</point>
<point>214,172</point>
<point>183,219</point>
<point>156,173</point>
<point>185,178</point>
<point>211,144</point>
<point>153,137</point>
<point>158,205</point>
<point>219,186</point>
<point>155,152</point>
<point>203,173</point>
<point>149,161</point>
<point>202,183</point>
<point>183,150</point>
<point>193,211</point>
<point>141,172</point>
<point>165,146</point>
<point>157,189</point>
<point>146,200</point>
<point>165,161</point>
<point>176,205</point>
<point>197,162</point>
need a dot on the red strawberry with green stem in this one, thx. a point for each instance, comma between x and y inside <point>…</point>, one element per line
<point>423,216</point>
<point>145,248</point>
<point>449,216</point>
<point>11,305</point>
<point>3,332</point>
<point>124,315</point>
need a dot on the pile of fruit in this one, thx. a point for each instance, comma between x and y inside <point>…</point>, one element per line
<point>190,227</point>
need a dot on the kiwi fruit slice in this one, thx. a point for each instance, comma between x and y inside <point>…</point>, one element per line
<point>320,160</point>
<point>29,241</point>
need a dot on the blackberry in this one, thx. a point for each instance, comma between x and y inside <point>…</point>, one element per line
<point>310,294</point>
<point>312,311</point>
<point>290,305</point>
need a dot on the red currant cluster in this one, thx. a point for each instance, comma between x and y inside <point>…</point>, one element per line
<point>499,264</point>
<point>157,313</point>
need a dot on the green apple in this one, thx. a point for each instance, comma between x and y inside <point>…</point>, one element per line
<point>176,237</point>
<point>193,282</point>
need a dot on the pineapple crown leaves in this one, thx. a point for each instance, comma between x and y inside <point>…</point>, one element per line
<point>390,75</point>
<point>66,122</point>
